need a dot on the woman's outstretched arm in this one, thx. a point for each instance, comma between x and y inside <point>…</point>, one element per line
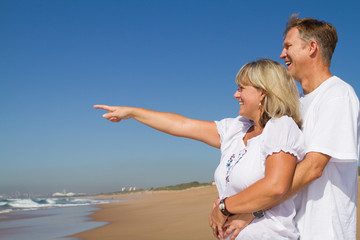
<point>170,123</point>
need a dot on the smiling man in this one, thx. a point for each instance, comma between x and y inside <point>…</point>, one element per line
<point>326,206</point>
<point>326,180</point>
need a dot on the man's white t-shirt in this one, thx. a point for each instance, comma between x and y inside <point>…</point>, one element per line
<point>326,209</point>
<point>241,166</point>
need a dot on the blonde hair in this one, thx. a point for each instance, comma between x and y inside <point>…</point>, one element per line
<point>282,96</point>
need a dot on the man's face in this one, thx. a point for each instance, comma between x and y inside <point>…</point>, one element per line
<point>295,53</point>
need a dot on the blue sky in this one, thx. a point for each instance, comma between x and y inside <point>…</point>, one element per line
<point>59,58</point>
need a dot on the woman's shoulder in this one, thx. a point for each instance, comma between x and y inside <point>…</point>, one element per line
<point>283,123</point>
<point>283,134</point>
<point>237,121</point>
<point>233,125</point>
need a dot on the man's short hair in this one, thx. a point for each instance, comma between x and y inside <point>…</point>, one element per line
<point>311,29</point>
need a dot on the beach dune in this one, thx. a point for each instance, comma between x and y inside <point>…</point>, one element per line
<point>159,215</point>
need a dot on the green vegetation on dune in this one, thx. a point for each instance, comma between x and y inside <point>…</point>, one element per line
<point>181,186</point>
<point>122,192</point>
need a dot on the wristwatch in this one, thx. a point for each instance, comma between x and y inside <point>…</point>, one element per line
<point>258,214</point>
<point>223,209</point>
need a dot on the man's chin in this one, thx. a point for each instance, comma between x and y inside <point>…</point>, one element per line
<point>291,71</point>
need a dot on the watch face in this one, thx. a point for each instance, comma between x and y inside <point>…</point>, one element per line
<point>222,206</point>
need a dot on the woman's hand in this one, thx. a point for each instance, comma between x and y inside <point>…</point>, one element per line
<point>233,224</point>
<point>170,123</point>
<point>236,223</point>
<point>115,114</point>
<point>214,228</point>
<point>217,220</point>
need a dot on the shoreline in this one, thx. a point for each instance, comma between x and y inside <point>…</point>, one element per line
<point>44,224</point>
<point>181,214</point>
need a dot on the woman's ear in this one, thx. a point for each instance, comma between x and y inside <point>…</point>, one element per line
<point>262,95</point>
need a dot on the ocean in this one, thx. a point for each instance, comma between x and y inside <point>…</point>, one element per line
<point>27,204</point>
<point>46,218</point>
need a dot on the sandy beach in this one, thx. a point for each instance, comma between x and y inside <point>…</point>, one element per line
<point>156,215</point>
<point>159,215</point>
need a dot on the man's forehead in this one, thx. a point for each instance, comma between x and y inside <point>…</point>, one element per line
<point>291,36</point>
<point>293,32</point>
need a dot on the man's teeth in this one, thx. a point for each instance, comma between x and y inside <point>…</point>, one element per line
<point>287,63</point>
<point>241,103</point>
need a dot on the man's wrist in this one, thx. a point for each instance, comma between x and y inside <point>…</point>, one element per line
<point>222,207</point>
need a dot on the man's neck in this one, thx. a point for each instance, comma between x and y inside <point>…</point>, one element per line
<point>314,80</point>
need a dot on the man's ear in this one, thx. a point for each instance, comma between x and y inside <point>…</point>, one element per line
<point>313,48</point>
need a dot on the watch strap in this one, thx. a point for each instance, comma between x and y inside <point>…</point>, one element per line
<point>223,209</point>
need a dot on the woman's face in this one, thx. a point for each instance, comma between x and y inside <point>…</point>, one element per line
<point>249,98</point>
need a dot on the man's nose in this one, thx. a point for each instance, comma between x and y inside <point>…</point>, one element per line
<point>283,53</point>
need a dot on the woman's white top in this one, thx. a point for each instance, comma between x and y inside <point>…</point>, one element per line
<point>241,166</point>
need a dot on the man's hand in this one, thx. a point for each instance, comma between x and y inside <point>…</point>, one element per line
<point>236,223</point>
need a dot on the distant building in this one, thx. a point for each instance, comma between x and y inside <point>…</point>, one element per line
<point>70,194</point>
<point>64,194</point>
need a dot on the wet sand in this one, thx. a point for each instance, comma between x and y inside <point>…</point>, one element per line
<point>160,215</point>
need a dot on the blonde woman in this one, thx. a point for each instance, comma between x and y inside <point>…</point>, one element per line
<point>260,149</point>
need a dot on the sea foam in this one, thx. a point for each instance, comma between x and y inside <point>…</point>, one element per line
<point>20,204</point>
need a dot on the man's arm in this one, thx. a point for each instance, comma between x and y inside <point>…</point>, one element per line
<point>279,170</point>
<point>307,171</point>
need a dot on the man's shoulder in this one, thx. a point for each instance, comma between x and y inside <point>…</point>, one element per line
<point>335,87</point>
